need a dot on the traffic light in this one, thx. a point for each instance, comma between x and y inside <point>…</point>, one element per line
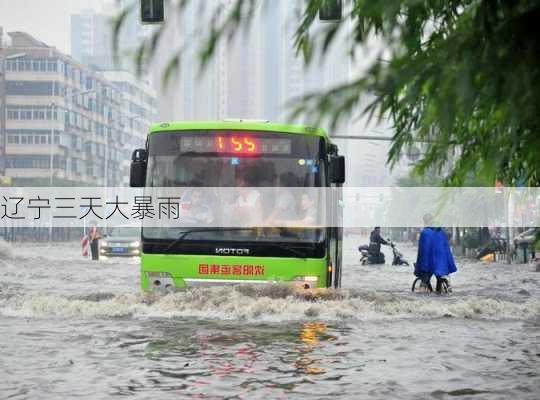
<point>152,11</point>
<point>331,10</point>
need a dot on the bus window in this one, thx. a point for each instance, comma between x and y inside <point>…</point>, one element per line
<point>283,162</point>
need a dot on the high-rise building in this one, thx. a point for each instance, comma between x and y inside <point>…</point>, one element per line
<point>67,123</point>
<point>249,77</point>
<point>260,75</point>
<point>138,111</point>
<point>92,40</point>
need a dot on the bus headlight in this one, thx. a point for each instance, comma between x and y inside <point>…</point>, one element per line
<point>136,243</point>
<point>306,278</point>
<point>160,280</point>
<point>104,242</point>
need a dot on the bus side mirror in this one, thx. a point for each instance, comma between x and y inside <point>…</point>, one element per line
<point>137,174</point>
<point>337,169</point>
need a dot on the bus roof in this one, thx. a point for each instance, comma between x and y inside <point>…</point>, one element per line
<point>238,124</point>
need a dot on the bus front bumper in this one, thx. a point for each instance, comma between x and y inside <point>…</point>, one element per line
<point>163,280</point>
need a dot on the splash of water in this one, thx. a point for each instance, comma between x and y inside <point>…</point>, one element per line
<point>272,304</point>
<point>6,251</point>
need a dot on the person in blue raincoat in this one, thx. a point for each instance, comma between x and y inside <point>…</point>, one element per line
<point>434,255</point>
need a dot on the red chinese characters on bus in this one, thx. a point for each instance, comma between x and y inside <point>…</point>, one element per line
<point>235,270</point>
<point>203,269</point>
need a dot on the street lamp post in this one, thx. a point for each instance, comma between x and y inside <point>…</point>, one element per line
<point>51,145</point>
<point>87,92</point>
<point>51,150</point>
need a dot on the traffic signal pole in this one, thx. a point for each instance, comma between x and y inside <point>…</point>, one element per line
<point>152,11</point>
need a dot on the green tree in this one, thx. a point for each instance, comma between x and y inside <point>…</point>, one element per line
<point>462,75</point>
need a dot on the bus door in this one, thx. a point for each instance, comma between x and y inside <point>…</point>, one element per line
<point>335,218</point>
<point>335,236</point>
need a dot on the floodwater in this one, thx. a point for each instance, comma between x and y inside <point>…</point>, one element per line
<point>74,328</point>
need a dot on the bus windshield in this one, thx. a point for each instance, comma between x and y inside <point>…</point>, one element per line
<point>250,160</point>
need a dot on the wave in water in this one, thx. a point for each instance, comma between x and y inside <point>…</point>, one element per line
<point>273,303</point>
<point>6,251</point>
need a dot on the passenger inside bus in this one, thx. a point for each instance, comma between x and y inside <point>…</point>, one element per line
<point>195,207</point>
<point>284,208</point>
<point>308,213</point>
<point>248,206</point>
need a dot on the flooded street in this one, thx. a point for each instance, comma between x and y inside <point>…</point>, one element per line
<point>243,137</point>
<point>76,328</point>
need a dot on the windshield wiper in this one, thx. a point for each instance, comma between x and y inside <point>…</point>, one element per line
<point>277,245</point>
<point>299,253</point>
<point>188,232</point>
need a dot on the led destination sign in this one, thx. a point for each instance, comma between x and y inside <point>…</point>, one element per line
<point>235,144</point>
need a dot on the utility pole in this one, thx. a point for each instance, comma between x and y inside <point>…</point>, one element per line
<point>3,98</point>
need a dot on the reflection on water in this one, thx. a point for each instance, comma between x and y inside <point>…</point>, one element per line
<point>313,359</point>
<point>198,357</point>
<point>310,335</point>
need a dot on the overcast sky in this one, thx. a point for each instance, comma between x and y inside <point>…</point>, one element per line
<point>47,20</point>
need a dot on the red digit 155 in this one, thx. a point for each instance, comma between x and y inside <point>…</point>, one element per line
<point>237,144</point>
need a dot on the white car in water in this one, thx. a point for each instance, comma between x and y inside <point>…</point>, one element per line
<point>121,242</point>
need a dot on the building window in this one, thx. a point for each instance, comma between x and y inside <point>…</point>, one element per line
<point>29,88</point>
<point>42,162</point>
<point>52,66</point>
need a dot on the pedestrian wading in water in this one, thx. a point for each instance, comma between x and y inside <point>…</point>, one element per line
<point>94,237</point>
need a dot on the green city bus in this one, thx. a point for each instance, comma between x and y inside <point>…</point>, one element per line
<point>220,154</point>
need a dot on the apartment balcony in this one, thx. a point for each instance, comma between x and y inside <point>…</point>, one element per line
<point>36,124</point>
<point>34,149</point>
